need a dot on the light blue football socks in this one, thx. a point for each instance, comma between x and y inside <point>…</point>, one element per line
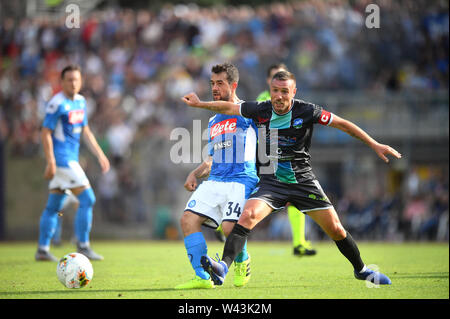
<point>49,219</point>
<point>243,255</point>
<point>196,248</point>
<point>83,218</point>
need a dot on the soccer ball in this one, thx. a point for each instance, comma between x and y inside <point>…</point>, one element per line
<point>74,270</point>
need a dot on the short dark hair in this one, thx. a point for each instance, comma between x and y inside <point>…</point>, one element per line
<point>69,68</point>
<point>275,67</point>
<point>231,71</point>
<point>284,76</point>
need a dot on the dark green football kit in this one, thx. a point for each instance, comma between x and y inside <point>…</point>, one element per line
<point>287,141</point>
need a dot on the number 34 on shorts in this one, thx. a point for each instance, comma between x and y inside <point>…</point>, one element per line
<point>218,201</point>
<point>233,208</point>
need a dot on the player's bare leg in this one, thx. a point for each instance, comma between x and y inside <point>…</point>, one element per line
<point>191,223</point>
<point>329,221</point>
<point>255,210</point>
<point>227,227</point>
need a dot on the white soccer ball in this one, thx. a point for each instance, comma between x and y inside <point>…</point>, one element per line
<point>74,270</point>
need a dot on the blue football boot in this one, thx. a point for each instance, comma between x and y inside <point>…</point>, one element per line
<point>216,269</point>
<point>374,277</point>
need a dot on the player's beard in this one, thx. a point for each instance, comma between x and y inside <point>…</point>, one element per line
<point>71,91</point>
<point>279,106</point>
<point>220,97</point>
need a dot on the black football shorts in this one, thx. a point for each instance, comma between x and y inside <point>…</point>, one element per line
<point>306,196</point>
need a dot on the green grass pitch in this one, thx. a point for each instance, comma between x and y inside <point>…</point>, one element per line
<point>150,270</point>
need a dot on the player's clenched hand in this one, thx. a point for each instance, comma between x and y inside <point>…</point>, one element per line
<point>104,164</point>
<point>50,170</point>
<point>383,150</point>
<point>191,183</point>
<point>191,99</point>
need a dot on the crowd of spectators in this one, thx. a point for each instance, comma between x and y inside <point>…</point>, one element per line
<point>419,210</point>
<point>137,63</point>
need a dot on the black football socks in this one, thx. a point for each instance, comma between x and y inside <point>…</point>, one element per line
<point>238,236</point>
<point>349,249</point>
<point>234,243</point>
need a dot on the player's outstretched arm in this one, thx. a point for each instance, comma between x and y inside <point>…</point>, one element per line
<point>223,107</point>
<point>201,171</point>
<point>47,144</point>
<point>353,130</point>
<point>93,146</point>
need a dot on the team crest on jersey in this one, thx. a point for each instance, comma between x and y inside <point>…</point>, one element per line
<point>297,123</point>
<point>192,203</point>
<point>76,116</point>
<point>223,127</point>
<point>51,108</point>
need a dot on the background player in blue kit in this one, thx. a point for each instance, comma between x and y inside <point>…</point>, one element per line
<point>292,179</point>
<point>65,121</point>
<point>231,167</point>
<point>70,202</point>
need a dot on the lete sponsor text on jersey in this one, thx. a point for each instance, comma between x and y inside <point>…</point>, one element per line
<point>76,116</point>
<point>223,127</point>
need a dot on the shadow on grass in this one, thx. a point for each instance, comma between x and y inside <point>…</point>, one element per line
<point>422,275</point>
<point>119,292</point>
<point>82,291</point>
<point>115,291</point>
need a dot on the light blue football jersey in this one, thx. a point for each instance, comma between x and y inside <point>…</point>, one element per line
<point>66,118</point>
<point>232,145</point>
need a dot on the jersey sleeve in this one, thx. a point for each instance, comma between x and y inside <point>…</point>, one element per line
<point>249,109</point>
<point>253,125</point>
<point>85,118</point>
<point>320,115</point>
<point>52,113</point>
